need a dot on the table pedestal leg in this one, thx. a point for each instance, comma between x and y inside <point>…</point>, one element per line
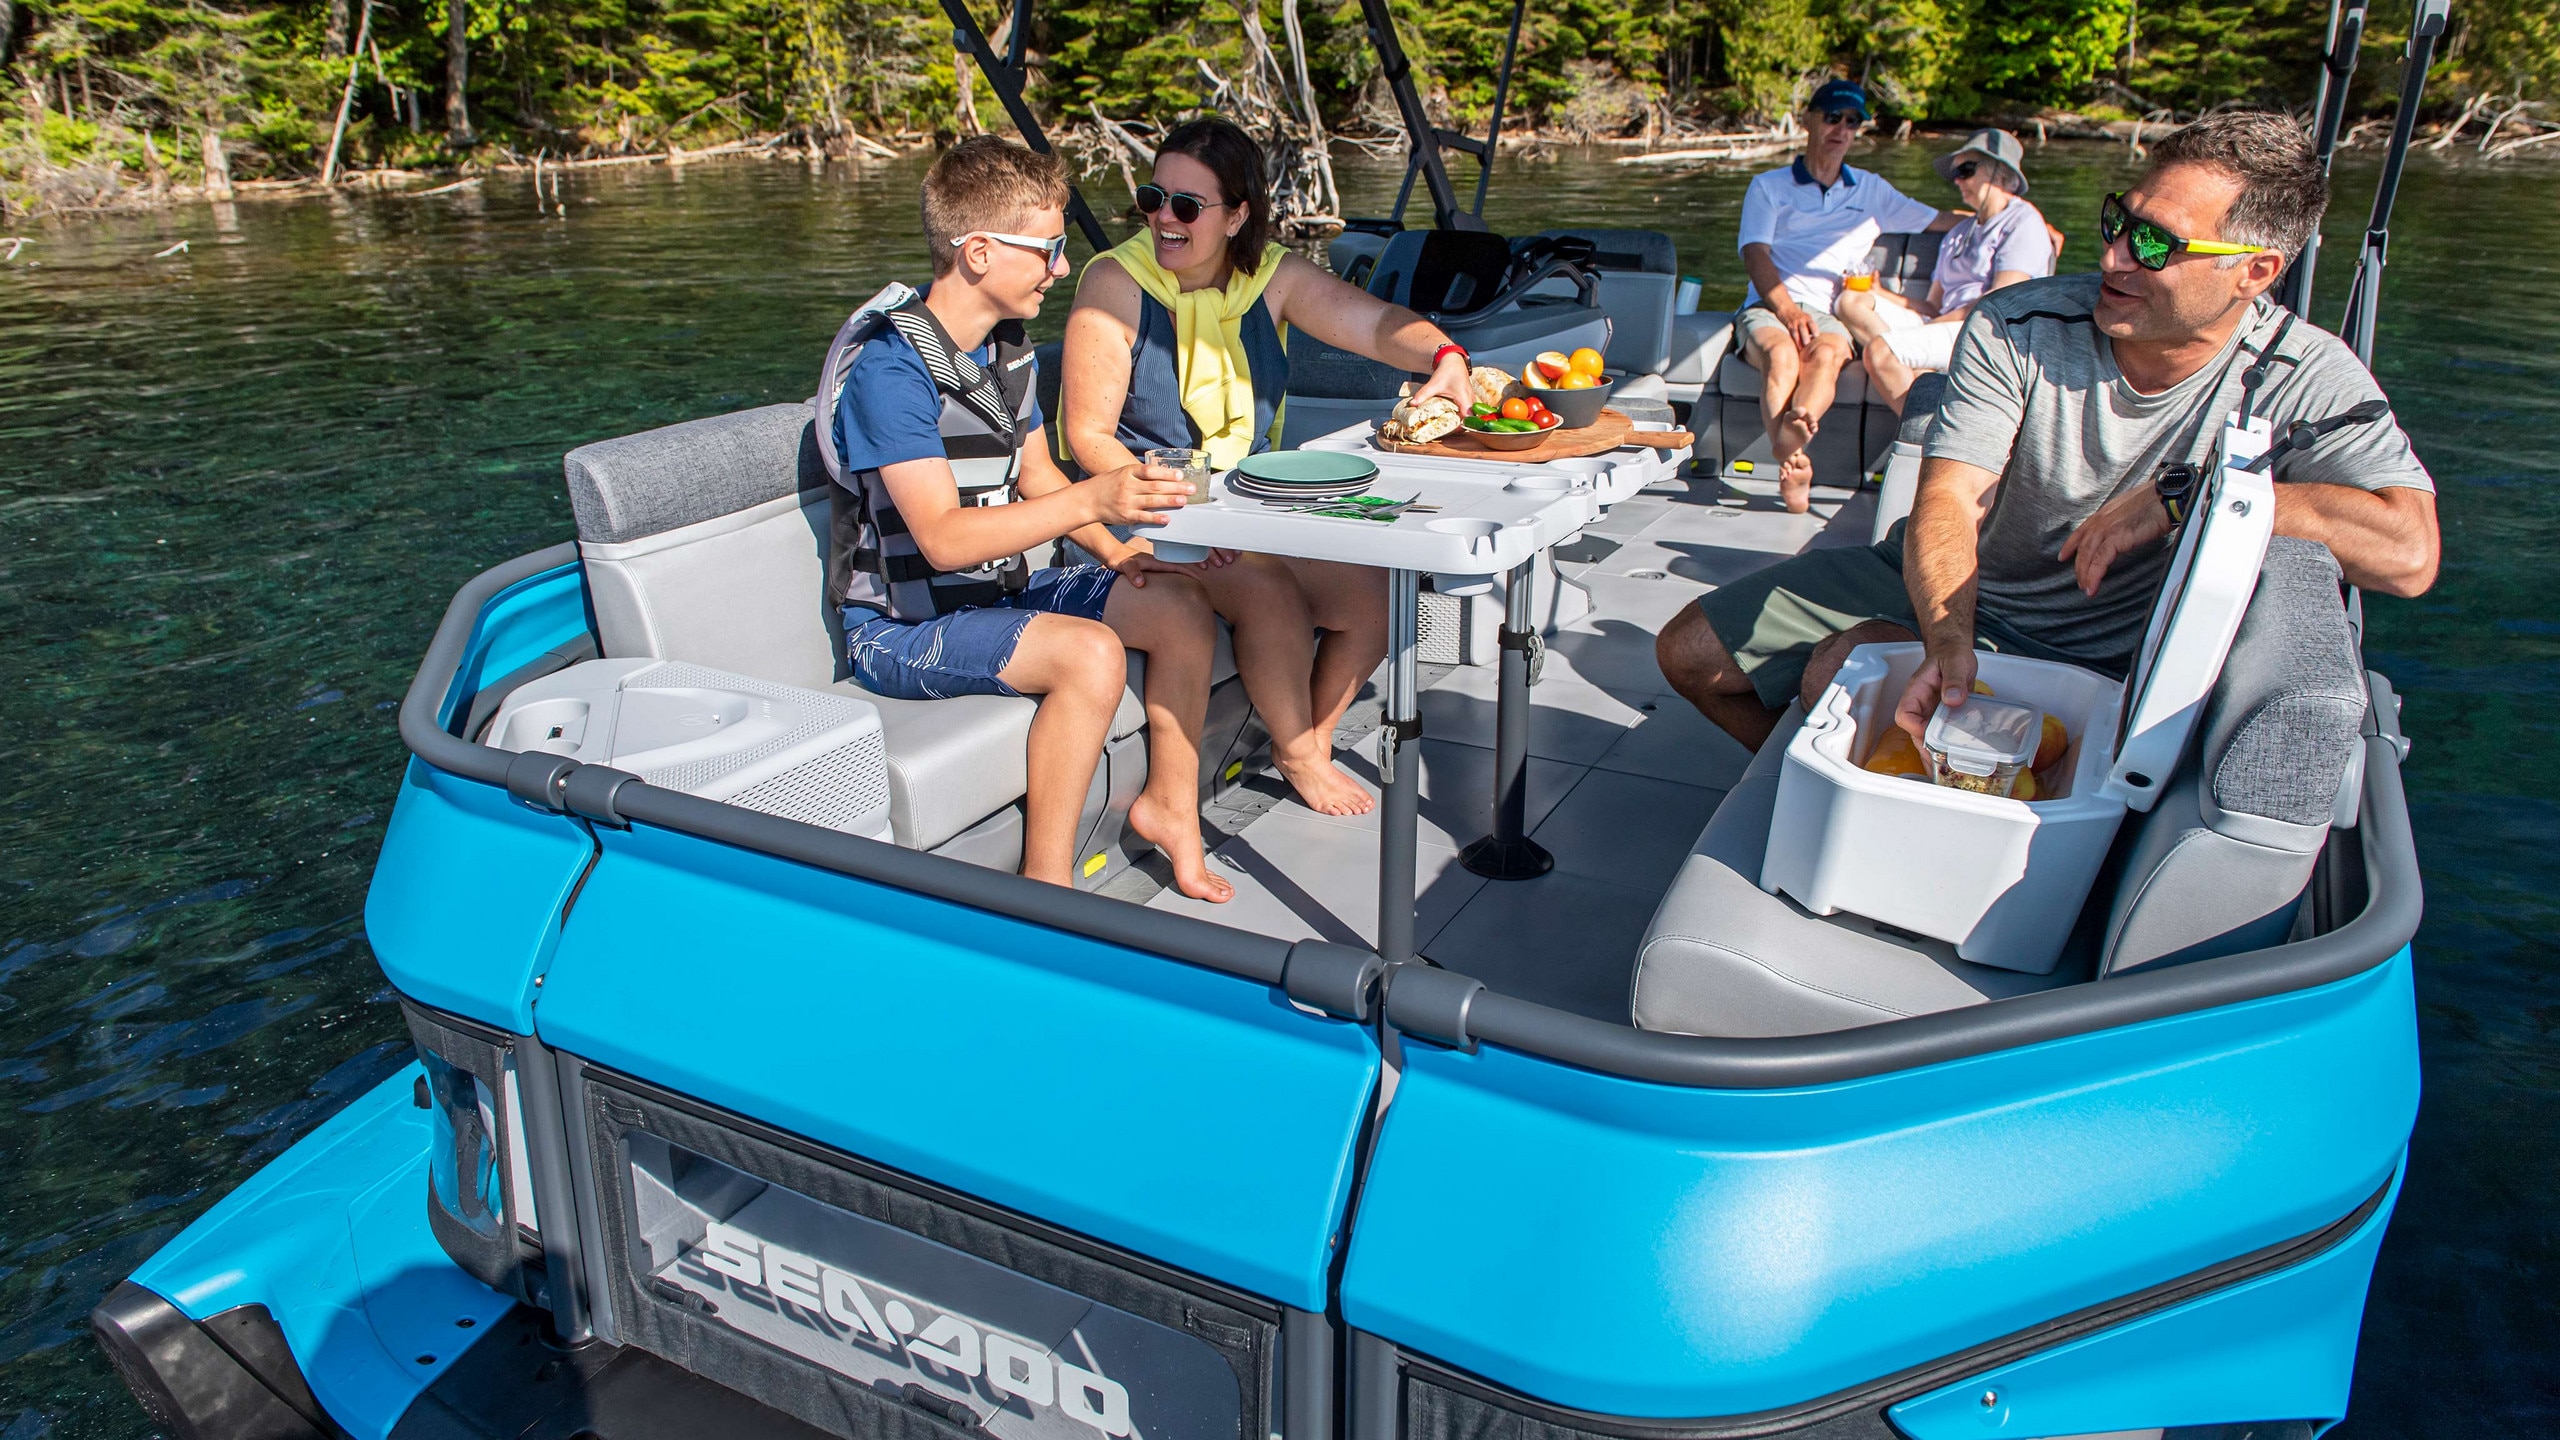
<point>1399,767</point>
<point>1508,853</point>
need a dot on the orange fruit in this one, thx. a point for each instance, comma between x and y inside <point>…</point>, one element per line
<point>1896,755</point>
<point>2051,744</point>
<point>1578,380</point>
<point>1588,361</point>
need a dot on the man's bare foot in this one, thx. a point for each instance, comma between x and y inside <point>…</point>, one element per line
<point>1796,429</point>
<point>1178,836</point>
<point>1795,483</point>
<point>1325,788</point>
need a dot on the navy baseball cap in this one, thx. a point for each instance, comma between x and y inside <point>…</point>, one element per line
<point>1839,95</point>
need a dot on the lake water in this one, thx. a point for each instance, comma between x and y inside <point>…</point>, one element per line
<point>238,485</point>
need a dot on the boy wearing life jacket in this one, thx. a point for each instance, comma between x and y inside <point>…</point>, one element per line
<point>928,422</point>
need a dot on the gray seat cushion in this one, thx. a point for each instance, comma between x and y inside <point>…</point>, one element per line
<point>706,541</point>
<point>658,480</point>
<point>1724,957</point>
<point>2219,864</point>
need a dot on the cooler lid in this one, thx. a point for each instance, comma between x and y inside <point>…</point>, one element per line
<point>1984,734</point>
<point>2212,574</point>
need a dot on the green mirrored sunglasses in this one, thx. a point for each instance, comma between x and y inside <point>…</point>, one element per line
<point>2152,246</point>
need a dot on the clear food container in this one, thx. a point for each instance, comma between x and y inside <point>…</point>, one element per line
<point>1983,745</point>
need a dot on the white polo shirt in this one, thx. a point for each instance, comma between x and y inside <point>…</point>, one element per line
<point>1814,232</point>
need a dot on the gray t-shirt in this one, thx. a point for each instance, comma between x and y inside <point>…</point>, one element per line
<point>2034,394</point>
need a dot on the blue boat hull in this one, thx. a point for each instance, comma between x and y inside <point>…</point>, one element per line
<point>1392,1207</point>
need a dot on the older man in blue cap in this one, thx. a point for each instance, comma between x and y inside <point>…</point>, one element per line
<point>1803,228</point>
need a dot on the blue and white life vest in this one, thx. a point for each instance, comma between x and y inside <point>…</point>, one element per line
<point>872,560</point>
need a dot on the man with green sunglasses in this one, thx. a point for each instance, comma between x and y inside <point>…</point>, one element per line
<point>2042,525</point>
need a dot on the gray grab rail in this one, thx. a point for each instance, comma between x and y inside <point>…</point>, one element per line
<point>1437,1005</point>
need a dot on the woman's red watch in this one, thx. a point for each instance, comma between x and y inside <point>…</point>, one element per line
<point>1445,351</point>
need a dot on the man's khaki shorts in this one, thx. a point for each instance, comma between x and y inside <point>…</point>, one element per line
<point>1769,621</point>
<point>1755,319</point>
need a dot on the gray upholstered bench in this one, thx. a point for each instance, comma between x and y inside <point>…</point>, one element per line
<point>706,541</point>
<point>2217,866</point>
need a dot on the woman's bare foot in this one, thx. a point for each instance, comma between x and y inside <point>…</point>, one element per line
<point>1178,836</point>
<point>1324,787</point>
<point>1795,483</point>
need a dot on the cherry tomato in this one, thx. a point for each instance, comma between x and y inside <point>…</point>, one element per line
<point>1515,408</point>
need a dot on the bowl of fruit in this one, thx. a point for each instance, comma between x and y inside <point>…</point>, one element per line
<point>1520,422</point>
<point>1574,385</point>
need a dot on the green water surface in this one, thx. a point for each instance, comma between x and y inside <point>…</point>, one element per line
<point>238,485</point>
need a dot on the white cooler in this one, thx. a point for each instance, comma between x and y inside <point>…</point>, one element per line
<point>804,755</point>
<point>2004,880</point>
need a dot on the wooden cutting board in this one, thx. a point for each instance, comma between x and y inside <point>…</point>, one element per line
<point>1607,433</point>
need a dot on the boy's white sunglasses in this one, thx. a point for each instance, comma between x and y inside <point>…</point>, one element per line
<point>1053,248</point>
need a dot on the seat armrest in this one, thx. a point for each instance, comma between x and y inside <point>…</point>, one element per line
<point>1698,343</point>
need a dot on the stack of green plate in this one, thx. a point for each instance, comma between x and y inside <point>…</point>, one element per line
<point>1301,475</point>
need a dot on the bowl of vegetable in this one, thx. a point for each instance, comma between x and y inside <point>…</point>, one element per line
<point>1574,385</point>
<point>1520,422</point>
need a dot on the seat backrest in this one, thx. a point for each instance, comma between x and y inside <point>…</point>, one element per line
<point>2219,864</point>
<point>1441,271</point>
<point>1638,272</point>
<point>707,542</point>
<point>1905,263</point>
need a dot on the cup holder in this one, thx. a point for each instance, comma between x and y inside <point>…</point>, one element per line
<point>1539,482</point>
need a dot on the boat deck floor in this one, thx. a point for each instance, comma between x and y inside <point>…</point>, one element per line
<point>1622,773</point>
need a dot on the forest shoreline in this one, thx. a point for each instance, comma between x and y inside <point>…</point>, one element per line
<point>1670,149</point>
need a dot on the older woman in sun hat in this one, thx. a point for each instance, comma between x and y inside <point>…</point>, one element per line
<point>2005,241</point>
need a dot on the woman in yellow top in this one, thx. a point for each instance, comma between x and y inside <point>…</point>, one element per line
<point>1174,343</point>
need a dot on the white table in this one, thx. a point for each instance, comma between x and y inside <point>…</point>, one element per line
<point>1611,476</point>
<point>1492,521</point>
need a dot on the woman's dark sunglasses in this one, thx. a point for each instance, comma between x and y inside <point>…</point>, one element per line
<point>1186,207</point>
<point>1968,170</point>
<point>2150,245</point>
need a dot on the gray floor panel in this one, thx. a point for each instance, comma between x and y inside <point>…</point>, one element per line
<point>1612,653</point>
<point>1298,878</point>
<point>1628,829</point>
<point>1569,720</point>
<point>1457,792</point>
<point>1698,561</point>
<point>1562,940</point>
<point>1675,742</point>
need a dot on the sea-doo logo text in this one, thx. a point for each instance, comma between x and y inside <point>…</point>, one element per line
<point>1009,1365</point>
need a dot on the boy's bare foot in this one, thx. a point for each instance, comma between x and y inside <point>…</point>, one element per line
<point>1178,836</point>
<point>1325,788</point>
<point>1795,483</point>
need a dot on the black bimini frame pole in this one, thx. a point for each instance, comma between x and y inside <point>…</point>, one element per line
<point>1007,76</point>
<point>1501,95</point>
<point>1425,138</point>
<point>2329,115</point>
<point>2364,300</point>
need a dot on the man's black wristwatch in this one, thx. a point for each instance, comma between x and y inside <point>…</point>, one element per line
<point>2176,484</point>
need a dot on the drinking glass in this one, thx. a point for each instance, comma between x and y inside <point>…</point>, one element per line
<point>1194,465</point>
<point>1859,278</point>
